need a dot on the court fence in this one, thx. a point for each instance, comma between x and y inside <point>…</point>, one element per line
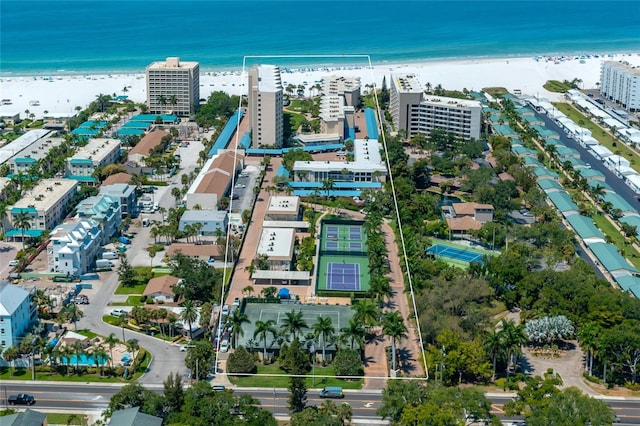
<point>343,252</point>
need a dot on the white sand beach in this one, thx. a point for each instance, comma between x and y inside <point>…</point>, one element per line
<point>60,95</point>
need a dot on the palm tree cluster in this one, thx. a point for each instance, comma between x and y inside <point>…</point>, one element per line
<point>505,343</point>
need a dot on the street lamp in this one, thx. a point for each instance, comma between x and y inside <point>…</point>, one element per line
<point>312,350</point>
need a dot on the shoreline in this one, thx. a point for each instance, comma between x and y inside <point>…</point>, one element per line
<point>317,63</point>
<point>59,95</point>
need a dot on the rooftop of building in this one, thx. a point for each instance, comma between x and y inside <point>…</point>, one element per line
<point>366,159</point>
<point>39,149</point>
<point>148,142</point>
<point>407,83</point>
<point>164,284</point>
<point>269,79</point>
<point>283,204</point>
<point>203,216</point>
<point>276,243</point>
<point>196,250</point>
<point>451,102</point>
<point>465,223</point>
<point>584,227</point>
<point>132,417</point>
<point>337,84</point>
<point>45,195</point>
<point>24,141</point>
<point>562,201</point>
<point>96,206</point>
<point>469,208</point>
<point>217,173</point>
<point>172,63</point>
<point>623,65</point>
<point>74,230</point>
<point>11,296</point>
<point>120,177</point>
<point>96,150</point>
<point>118,189</point>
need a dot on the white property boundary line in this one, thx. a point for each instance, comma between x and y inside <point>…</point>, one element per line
<point>243,92</point>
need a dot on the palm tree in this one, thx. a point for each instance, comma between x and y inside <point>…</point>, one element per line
<point>366,312</point>
<point>323,330</point>
<point>380,288</point>
<point>162,100</point>
<point>393,326</point>
<point>133,346</point>
<point>74,314</point>
<point>293,323</point>
<point>235,322</point>
<point>344,413</point>
<point>122,321</point>
<point>328,185</point>
<point>173,100</point>
<point>328,407</point>
<point>175,193</point>
<point>494,345</point>
<point>353,333</point>
<point>78,350</point>
<point>67,352</point>
<point>22,221</point>
<point>11,354</point>
<point>111,341</point>
<point>189,314</point>
<point>514,338</point>
<point>262,329</point>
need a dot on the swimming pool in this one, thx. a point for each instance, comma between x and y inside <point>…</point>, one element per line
<point>53,342</point>
<point>83,360</point>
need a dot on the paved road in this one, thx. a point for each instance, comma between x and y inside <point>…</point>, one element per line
<point>92,397</point>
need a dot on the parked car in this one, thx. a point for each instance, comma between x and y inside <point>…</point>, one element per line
<point>118,312</point>
<point>224,345</point>
<point>236,301</point>
<point>185,348</point>
<point>109,255</point>
<point>14,262</point>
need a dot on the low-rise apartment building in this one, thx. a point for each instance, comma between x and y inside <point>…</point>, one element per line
<point>209,223</point>
<point>45,205</point>
<point>276,245</point>
<point>143,148</point>
<point>214,181</point>
<point>22,143</point>
<point>103,209</point>
<point>28,157</point>
<point>96,153</point>
<point>283,208</point>
<point>18,313</point>
<point>125,194</point>
<point>74,247</point>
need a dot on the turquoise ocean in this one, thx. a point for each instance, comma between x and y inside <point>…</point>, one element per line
<point>61,37</point>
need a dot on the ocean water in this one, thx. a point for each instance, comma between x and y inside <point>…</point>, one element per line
<point>42,37</point>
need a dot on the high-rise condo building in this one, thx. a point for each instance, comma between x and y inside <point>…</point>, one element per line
<point>416,112</point>
<point>173,87</point>
<point>620,82</point>
<point>265,106</point>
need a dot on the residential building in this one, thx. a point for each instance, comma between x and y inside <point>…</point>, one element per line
<point>416,112</point>
<point>97,153</point>
<point>283,208</point>
<point>335,116</point>
<point>464,217</point>
<point>18,313</point>
<point>22,143</point>
<point>367,170</point>
<point>211,223</point>
<point>120,177</point>
<point>277,244</point>
<point>143,148</point>
<point>161,288</point>
<point>265,106</point>
<point>210,253</point>
<point>620,83</point>
<point>124,193</point>
<point>74,247</point>
<point>28,417</point>
<point>133,417</point>
<point>214,181</point>
<point>46,205</point>
<point>347,87</point>
<point>103,209</point>
<point>26,158</point>
<point>173,86</point>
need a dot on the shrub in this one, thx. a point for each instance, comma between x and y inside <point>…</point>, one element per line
<point>241,361</point>
<point>347,363</point>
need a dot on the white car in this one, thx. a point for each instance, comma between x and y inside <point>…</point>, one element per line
<point>224,345</point>
<point>14,262</point>
<point>119,313</point>
<point>185,348</point>
<point>225,310</point>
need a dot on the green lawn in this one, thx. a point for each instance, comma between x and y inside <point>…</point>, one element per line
<point>66,419</point>
<point>87,333</point>
<point>136,289</point>
<point>556,86</point>
<point>133,300</point>
<point>282,381</point>
<point>601,135</point>
<point>25,374</point>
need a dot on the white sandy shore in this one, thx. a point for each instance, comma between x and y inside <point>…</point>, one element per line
<point>61,94</point>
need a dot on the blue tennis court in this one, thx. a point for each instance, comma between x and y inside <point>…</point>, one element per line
<point>439,250</point>
<point>343,276</point>
<point>331,245</point>
<point>355,246</point>
<point>333,229</point>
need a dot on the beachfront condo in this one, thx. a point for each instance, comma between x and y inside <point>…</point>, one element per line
<point>265,106</point>
<point>620,83</point>
<point>173,87</point>
<point>416,112</point>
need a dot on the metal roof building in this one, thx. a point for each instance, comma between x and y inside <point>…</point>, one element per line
<point>613,261</point>
<point>586,229</point>
<point>563,203</point>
